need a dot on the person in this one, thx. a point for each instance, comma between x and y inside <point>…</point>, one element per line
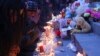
<point>31,31</point>
<point>11,26</point>
<point>81,26</point>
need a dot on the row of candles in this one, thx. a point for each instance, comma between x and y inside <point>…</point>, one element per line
<point>47,45</point>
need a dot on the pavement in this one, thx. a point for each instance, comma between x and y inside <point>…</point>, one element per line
<point>64,50</point>
<point>90,42</point>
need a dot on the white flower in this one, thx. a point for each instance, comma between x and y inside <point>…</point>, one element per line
<point>86,14</point>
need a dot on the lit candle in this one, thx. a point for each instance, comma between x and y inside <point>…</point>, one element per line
<point>40,47</point>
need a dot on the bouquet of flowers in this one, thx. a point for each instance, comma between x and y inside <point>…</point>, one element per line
<point>93,13</point>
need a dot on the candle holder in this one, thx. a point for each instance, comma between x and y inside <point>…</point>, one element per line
<point>41,48</point>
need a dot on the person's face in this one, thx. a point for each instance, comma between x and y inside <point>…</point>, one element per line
<point>31,13</point>
<point>33,16</point>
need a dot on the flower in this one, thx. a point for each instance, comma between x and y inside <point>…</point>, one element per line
<point>88,11</point>
<point>95,15</point>
<point>86,14</point>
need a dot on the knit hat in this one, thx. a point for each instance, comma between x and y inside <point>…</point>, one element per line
<point>31,5</point>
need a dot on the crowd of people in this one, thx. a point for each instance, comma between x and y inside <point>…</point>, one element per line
<point>22,22</point>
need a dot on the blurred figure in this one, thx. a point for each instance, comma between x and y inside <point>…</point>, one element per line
<point>11,26</point>
<point>32,32</point>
